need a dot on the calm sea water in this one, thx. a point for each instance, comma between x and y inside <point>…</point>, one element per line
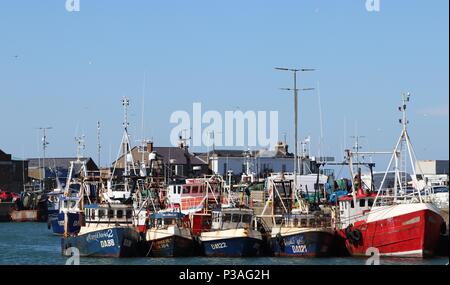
<point>34,244</point>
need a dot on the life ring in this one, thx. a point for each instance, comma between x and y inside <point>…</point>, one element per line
<point>356,235</point>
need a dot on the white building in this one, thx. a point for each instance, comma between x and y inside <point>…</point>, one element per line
<point>435,172</point>
<point>260,163</point>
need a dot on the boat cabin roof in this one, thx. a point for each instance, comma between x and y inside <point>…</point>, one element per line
<point>359,196</point>
<point>167,215</point>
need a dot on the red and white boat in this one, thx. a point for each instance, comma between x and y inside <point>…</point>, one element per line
<point>404,229</point>
<point>393,221</point>
<point>195,196</point>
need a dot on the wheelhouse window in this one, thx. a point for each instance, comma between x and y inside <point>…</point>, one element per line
<point>195,190</point>
<point>352,204</point>
<point>370,202</point>
<point>226,218</point>
<point>101,214</point>
<point>362,203</point>
<point>129,214</point>
<point>236,218</point>
<point>119,214</point>
<point>110,214</point>
<point>304,222</point>
<point>186,190</point>
<point>247,219</point>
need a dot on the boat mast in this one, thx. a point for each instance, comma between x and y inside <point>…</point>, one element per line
<point>45,144</point>
<point>403,143</point>
<point>125,148</point>
<point>99,146</point>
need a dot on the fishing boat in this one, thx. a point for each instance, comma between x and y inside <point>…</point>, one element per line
<point>69,201</point>
<point>299,228</point>
<point>108,232</point>
<point>110,229</point>
<point>303,235</point>
<point>69,209</point>
<point>30,207</point>
<point>196,195</point>
<point>393,221</point>
<point>169,235</point>
<point>232,234</point>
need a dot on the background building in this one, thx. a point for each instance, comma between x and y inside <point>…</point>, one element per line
<point>435,172</point>
<point>55,167</point>
<point>13,173</point>
<point>177,162</point>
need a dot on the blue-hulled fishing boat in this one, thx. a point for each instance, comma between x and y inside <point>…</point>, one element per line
<point>232,234</point>
<point>303,235</point>
<point>70,211</point>
<point>300,228</point>
<point>169,235</point>
<point>109,232</point>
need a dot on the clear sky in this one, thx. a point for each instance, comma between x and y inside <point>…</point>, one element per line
<point>69,70</point>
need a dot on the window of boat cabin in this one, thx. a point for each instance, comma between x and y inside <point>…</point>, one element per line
<point>179,189</point>
<point>295,222</point>
<point>236,218</point>
<point>246,219</point>
<point>101,214</point>
<point>194,189</point>
<point>226,218</point>
<point>352,204</point>
<point>362,203</point>
<point>92,214</point>
<point>304,222</point>
<point>129,214</point>
<point>169,221</point>
<point>186,189</point>
<point>312,222</point>
<point>370,202</point>
<point>110,214</point>
<point>216,217</point>
<point>119,214</point>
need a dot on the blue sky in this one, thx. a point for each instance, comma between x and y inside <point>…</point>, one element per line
<point>72,69</point>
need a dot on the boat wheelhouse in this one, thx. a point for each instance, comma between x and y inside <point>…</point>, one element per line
<point>232,234</point>
<point>108,232</point>
<point>169,235</point>
<point>195,195</point>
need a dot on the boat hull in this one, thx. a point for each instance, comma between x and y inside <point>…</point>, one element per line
<point>303,243</point>
<point>25,216</point>
<point>112,242</point>
<point>231,243</point>
<point>73,224</point>
<point>172,246</point>
<point>410,233</point>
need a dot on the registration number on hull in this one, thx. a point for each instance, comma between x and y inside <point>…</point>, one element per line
<point>299,249</point>
<point>107,243</point>
<point>221,245</point>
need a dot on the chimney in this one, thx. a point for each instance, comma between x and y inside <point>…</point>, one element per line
<point>149,147</point>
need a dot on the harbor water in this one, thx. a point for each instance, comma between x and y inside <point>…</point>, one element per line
<point>34,244</point>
